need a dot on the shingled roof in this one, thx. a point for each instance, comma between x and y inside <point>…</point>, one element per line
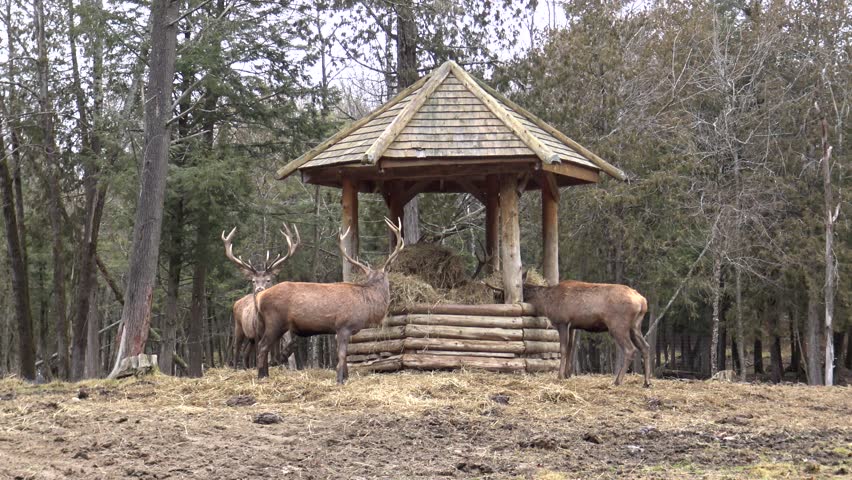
<point>448,114</point>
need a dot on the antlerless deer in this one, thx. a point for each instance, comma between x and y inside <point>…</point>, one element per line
<point>342,308</point>
<point>246,322</point>
<point>594,307</point>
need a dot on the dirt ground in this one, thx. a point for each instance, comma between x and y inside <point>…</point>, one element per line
<point>421,425</point>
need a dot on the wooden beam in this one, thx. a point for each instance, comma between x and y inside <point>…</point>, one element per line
<point>492,222</point>
<point>377,149</point>
<point>510,241</point>
<point>541,150</point>
<point>349,202</point>
<point>598,161</point>
<point>573,171</point>
<point>291,167</point>
<point>550,229</point>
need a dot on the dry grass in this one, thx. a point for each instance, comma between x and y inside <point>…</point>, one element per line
<point>700,429</point>
<point>435,264</point>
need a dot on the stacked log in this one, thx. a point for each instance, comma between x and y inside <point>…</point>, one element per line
<point>502,338</point>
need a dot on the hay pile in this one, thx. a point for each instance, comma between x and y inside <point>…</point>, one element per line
<point>435,264</point>
<point>430,273</point>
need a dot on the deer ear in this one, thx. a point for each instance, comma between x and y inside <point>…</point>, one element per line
<point>247,273</point>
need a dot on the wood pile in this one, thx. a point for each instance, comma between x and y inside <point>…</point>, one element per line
<point>502,338</point>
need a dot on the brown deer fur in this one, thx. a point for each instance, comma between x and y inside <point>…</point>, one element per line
<point>594,307</point>
<point>342,308</point>
<point>246,321</point>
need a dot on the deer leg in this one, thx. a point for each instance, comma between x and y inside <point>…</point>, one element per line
<point>238,346</point>
<point>250,350</point>
<point>640,343</point>
<point>564,348</point>
<point>572,344</point>
<point>342,348</point>
<point>622,339</point>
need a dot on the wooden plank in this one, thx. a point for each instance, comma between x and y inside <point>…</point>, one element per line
<point>541,335</point>
<point>398,124</point>
<point>291,167</point>
<point>457,101</point>
<point>378,334</point>
<point>513,310</point>
<point>457,152</point>
<point>472,117</point>
<point>510,240</point>
<point>468,333</point>
<point>438,136</point>
<point>468,186</point>
<point>537,322</point>
<point>481,321</point>
<point>515,347</point>
<point>425,144</point>
<point>541,150</point>
<point>454,108</point>
<point>424,361</point>
<point>390,364</point>
<point>534,365</point>
<point>467,354</point>
<point>533,347</point>
<point>362,348</point>
<point>481,124</point>
<point>598,161</point>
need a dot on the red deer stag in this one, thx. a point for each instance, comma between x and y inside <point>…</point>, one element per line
<point>245,309</point>
<point>594,307</point>
<point>342,308</point>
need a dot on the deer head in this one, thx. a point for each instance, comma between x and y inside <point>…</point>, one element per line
<point>371,273</point>
<point>262,278</point>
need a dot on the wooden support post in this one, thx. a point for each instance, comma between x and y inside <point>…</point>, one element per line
<point>550,230</point>
<point>510,241</point>
<point>349,202</point>
<point>492,225</point>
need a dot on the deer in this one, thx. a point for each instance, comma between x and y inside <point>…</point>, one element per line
<point>342,308</point>
<point>593,307</point>
<point>246,321</point>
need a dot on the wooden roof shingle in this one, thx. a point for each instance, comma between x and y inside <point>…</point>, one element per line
<point>448,114</point>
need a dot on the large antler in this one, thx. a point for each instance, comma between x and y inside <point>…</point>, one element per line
<point>349,259</point>
<point>229,252</point>
<point>400,243</point>
<point>278,263</point>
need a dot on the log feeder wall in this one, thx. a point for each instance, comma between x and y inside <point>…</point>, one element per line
<point>502,338</point>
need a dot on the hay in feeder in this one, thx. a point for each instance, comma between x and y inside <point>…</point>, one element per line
<point>409,290</point>
<point>471,293</point>
<point>435,264</point>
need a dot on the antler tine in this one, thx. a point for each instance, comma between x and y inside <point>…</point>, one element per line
<point>400,243</point>
<point>291,247</point>
<point>349,259</point>
<point>229,252</point>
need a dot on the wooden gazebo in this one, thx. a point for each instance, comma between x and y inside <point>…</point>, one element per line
<point>450,132</point>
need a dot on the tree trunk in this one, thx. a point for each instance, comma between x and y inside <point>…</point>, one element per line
<point>93,347</point>
<point>830,262</point>
<point>95,199</point>
<point>717,304</point>
<point>147,227</point>
<point>53,192</point>
<point>197,311</point>
<point>812,330</point>
<point>795,344</point>
<point>741,353</point>
<point>20,282</point>
<point>848,362</point>
<point>758,356</point>
<point>406,70</point>
<point>777,363</point>
<point>170,313</point>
